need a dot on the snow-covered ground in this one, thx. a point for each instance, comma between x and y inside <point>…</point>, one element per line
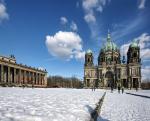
<point>140,92</point>
<point>124,107</point>
<point>17,104</point>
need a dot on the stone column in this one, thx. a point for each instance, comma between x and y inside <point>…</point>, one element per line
<point>45,80</point>
<point>2,73</point>
<point>36,76</point>
<point>39,79</point>
<point>15,78</point>
<point>25,77</point>
<point>33,81</point>
<point>20,78</point>
<point>8,75</point>
<point>42,80</point>
<point>29,79</point>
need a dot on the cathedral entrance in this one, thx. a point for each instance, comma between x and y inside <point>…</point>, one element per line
<point>110,79</point>
<point>135,83</point>
<point>88,82</point>
<point>124,83</point>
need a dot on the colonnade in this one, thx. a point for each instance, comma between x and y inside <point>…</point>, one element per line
<point>22,76</point>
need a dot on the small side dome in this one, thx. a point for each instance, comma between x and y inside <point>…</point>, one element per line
<point>134,44</point>
<point>89,51</point>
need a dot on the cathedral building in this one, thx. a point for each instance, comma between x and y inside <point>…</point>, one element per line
<point>111,71</point>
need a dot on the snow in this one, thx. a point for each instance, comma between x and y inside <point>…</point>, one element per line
<point>125,107</point>
<point>140,92</point>
<point>17,104</point>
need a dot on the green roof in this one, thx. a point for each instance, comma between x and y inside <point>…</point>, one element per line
<point>109,46</point>
<point>134,44</point>
<point>89,51</point>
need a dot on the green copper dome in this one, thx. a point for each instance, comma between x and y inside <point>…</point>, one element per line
<point>134,44</point>
<point>109,46</point>
<point>89,51</point>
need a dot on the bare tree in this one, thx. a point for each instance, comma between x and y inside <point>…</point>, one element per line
<point>59,81</point>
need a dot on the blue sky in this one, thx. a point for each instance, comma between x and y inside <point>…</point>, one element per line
<point>54,34</point>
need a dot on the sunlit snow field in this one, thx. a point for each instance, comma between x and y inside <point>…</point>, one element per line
<point>125,107</point>
<point>17,104</point>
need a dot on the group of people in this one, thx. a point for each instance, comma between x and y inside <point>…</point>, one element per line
<point>119,89</point>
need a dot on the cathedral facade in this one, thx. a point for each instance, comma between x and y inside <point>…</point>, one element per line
<point>111,71</point>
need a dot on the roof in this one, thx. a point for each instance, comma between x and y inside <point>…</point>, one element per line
<point>134,44</point>
<point>109,45</point>
<point>89,51</point>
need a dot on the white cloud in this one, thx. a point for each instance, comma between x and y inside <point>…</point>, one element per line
<point>145,72</point>
<point>73,26</point>
<point>124,49</point>
<point>90,7</point>
<point>80,55</point>
<point>3,14</point>
<point>100,9</point>
<point>63,20</point>
<point>65,45</point>
<point>144,43</point>
<point>90,18</point>
<point>142,4</point>
<point>143,40</point>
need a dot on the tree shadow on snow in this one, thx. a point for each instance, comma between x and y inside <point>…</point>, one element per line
<point>101,119</point>
<point>90,109</point>
<point>93,113</point>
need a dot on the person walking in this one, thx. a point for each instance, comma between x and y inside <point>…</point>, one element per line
<point>112,88</point>
<point>122,89</point>
<point>119,89</point>
<point>93,87</point>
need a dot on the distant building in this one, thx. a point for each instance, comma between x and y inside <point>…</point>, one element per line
<point>14,74</point>
<point>111,71</point>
